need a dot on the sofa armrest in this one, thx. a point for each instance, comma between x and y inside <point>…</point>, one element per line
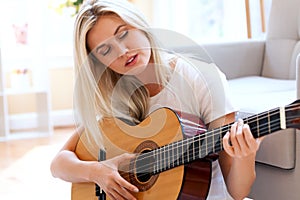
<point>238,59</point>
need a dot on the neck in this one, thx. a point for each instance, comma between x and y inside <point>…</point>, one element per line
<point>153,88</point>
<point>149,79</point>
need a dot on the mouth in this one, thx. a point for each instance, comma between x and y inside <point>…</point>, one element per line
<point>131,61</point>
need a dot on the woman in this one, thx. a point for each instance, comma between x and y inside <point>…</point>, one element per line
<point>122,72</point>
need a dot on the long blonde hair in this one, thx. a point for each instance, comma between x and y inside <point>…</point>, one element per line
<point>97,88</point>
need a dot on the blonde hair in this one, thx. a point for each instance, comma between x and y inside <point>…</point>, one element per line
<point>97,88</point>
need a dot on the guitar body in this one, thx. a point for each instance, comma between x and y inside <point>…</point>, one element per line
<point>162,127</point>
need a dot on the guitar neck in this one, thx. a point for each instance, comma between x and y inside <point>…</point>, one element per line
<point>201,145</point>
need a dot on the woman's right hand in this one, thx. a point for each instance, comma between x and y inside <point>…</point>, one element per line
<point>106,175</point>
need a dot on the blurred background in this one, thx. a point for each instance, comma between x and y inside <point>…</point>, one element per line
<point>36,74</point>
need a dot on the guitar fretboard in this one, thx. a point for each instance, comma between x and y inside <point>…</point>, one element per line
<point>193,148</point>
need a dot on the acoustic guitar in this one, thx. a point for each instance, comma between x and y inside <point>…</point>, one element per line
<point>167,163</point>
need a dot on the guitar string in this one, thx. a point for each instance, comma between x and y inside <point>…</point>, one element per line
<point>185,145</point>
<point>211,135</point>
<point>207,135</point>
<point>208,144</point>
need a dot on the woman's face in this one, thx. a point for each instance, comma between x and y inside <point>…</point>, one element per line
<point>121,47</point>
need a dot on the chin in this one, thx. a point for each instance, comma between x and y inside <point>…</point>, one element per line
<point>136,70</point>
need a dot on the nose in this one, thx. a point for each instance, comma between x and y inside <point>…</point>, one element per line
<point>121,49</point>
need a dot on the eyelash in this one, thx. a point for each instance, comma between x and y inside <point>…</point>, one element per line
<point>122,35</point>
<point>104,50</point>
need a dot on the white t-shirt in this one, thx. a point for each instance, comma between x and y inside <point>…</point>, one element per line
<point>203,92</point>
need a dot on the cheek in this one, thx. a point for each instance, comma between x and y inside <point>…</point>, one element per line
<point>115,66</point>
<point>139,41</point>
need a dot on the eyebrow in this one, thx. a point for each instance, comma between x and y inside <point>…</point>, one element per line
<point>118,28</point>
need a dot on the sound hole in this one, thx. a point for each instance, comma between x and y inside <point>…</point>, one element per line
<point>144,166</point>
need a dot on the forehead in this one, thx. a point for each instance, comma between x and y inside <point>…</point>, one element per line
<point>103,29</point>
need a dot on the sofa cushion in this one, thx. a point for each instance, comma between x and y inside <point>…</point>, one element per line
<point>255,94</point>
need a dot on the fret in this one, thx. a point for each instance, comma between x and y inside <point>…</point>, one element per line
<point>160,159</point>
<point>269,122</point>
<point>206,151</point>
<point>176,153</point>
<point>213,140</point>
<point>163,157</point>
<point>274,120</point>
<point>181,153</point>
<point>167,165</point>
<point>257,126</point>
<point>199,145</point>
<point>193,147</point>
<point>219,143</point>
<point>155,162</point>
<point>169,156</point>
<point>196,147</point>
<point>246,120</point>
<point>252,124</point>
<point>263,123</point>
<point>190,150</point>
<point>202,145</point>
<point>221,132</point>
<point>172,156</point>
<point>185,152</point>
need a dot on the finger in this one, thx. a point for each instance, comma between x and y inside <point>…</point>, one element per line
<point>259,140</point>
<point>125,184</point>
<point>241,137</point>
<point>228,149</point>
<point>118,192</point>
<point>233,139</point>
<point>251,142</point>
<point>126,194</point>
<point>114,195</point>
<point>122,192</point>
<point>124,158</point>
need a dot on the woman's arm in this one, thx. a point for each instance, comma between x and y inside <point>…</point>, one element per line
<point>67,166</point>
<point>238,160</point>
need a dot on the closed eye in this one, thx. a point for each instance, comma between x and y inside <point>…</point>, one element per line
<point>122,35</point>
<point>104,50</point>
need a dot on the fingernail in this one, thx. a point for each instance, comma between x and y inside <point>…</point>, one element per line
<point>136,190</point>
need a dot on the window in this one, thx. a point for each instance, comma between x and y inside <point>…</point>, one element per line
<point>209,20</point>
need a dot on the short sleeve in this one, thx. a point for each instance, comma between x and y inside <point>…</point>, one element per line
<point>211,91</point>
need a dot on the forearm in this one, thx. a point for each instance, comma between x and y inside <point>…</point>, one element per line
<point>241,176</point>
<point>68,167</point>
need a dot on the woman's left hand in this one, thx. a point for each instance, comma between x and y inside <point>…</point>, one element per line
<point>239,141</point>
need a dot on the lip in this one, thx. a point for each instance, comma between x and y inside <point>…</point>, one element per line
<point>133,60</point>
